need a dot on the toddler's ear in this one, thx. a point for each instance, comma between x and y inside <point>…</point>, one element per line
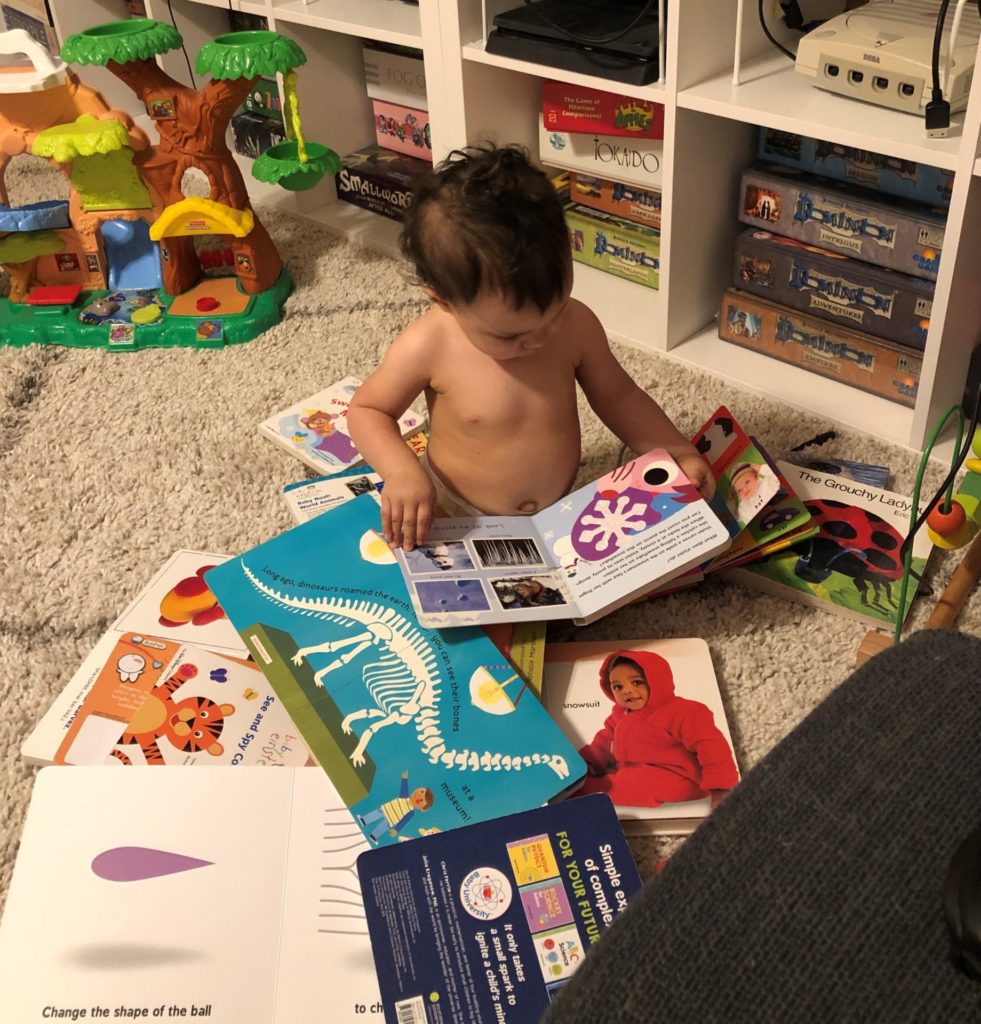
<point>437,300</point>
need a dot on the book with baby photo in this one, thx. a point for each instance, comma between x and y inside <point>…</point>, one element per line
<point>418,730</point>
<point>852,565</point>
<point>766,512</point>
<point>591,552</point>
<point>315,429</point>
<point>647,717</point>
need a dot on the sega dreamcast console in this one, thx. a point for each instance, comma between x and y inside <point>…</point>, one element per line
<point>881,53</point>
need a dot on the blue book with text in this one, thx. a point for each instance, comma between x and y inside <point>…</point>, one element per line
<point>487,923</point>
<point>419,731</point>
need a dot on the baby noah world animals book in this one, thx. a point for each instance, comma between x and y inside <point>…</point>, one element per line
<point>593,551</point>
<point>417,730</point>
<point>852,566</point>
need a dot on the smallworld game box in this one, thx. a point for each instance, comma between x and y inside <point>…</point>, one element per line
<point>889,232</point>
<point>830,350</point>
<point>379,180</point>
<point>846,291</point>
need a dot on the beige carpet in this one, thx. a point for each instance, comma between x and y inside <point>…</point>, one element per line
<point>110,462</point>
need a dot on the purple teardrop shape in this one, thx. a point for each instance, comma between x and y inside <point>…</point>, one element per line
<point>135,863</point>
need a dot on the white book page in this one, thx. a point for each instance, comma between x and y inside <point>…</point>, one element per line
<point>77,934</point>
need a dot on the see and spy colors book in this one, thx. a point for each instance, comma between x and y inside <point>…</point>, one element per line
<point>487,923</point>
<point>418,730</point>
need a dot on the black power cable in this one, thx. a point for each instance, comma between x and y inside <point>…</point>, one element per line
<point>769,35</point>
<point>173,21</point>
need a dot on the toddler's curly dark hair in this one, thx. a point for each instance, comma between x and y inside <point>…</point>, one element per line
<point>487,219</point>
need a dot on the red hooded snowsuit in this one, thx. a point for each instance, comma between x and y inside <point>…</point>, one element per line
<point>668,750</point>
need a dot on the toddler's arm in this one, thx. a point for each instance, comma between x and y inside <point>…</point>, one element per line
<point>629,411</point>
<point>408,498</point>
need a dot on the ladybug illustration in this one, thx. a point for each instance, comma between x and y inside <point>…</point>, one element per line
<point>856,543</point>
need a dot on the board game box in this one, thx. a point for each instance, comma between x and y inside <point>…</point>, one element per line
<point>889,174</point>
<point>830,350</point>
<point>834,287</point>
<point>632,160</point>
<point>379,180</point>
<point>614,245</point>
<point>630,202</point>
<point>567,107</point>
<point>889,232</point>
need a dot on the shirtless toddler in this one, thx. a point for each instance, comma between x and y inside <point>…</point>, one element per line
<point>498,355</point>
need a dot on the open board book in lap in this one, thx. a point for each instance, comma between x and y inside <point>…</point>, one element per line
<point>591,552</point>
<point>852,565</point>
<point>417,729</point>
<point>486,924</point>
<point>315,429</point>
<point>232,896</point>
<point>694,743</point>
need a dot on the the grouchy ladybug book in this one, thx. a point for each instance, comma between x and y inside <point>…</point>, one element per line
<point>852,565</point>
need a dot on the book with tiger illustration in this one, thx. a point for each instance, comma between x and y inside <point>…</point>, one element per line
<point>146,700</point>
<point>139,891</point>
<point>315,429</point>
<point>418,730</point>
<point>852,565</point>
<point>591,552</point>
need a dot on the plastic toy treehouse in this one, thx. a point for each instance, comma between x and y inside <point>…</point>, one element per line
<point>116,265</point>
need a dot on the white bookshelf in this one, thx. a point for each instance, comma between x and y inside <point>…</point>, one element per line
<point>721,80</point>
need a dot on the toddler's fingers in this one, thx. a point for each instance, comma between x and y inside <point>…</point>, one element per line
<point>393,532</point>
<point>424,519</point>
<point>408,527</point>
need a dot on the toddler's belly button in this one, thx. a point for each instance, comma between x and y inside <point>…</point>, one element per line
<point>528,506</point>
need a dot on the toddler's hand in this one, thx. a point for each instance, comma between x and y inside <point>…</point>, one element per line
<point>697,470</point>
<point>408,500</point>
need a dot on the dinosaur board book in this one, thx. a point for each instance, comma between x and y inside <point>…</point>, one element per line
<point>486,924</point>
<point>139,700</point>
<point>852,565</point>
<point>681,729</point>
<point>418,730</point>
<point>221,896</point>
<point>315,429</point>
<point>591,552</point>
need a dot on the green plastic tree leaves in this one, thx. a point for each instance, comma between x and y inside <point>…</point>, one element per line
<point>27,245</point>
<point>120,42</point>
<point>85,136</point>
<point>248,55</point>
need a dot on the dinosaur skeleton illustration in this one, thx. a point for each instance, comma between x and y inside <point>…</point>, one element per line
<point>403,681</point>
